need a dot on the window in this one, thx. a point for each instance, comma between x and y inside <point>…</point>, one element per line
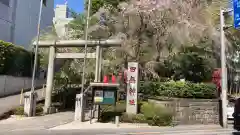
<point>44,2</point>
<point>5,2</point>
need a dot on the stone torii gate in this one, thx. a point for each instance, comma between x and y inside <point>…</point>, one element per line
<point>52,45</point>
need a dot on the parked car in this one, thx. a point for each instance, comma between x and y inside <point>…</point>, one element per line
<point>236,115</point>
<point>230,111</point>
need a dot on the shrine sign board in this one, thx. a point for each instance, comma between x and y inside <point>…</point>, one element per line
<point>105,94</point>
<point>98,96</point>
<point>132,87</point>
<point>109,97</point>
<point>105,97</point>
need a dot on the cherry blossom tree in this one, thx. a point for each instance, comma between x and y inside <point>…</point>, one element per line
<point>152,31</point>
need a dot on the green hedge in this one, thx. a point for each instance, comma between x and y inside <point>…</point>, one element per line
<point>108,112</point>
<point>156,115</point>
<point>149,113</point>
<point>179,89</point>
<point>15,60</point>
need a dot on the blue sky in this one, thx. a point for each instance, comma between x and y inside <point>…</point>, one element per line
<point>76,5</point>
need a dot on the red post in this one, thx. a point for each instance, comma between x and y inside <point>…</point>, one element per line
<point>105,79</point>
<point>216,79</point>
<point>125,76</point>
<point>113,79</point>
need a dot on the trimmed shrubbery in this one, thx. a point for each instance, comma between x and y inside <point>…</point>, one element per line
<point>179,89</point>
<point>156,115</point>
<point>133,118</point>
<point>108,112</point>
<point>150,113</point>
<point>19,110</point>
<point>15,60</point>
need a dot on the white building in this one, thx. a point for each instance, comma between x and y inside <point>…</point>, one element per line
<point>61,19</point>
<point>19,18</point>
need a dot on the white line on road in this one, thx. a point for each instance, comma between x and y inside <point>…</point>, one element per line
<point>186,132</point>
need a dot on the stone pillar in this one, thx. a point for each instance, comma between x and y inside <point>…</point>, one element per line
<point>79,115</point>
<point>100,65</point>
<point>30,101</point>
<point>97,77</point>
<point>98,59</point>
<point>132,87</point>
<point>49,85</point>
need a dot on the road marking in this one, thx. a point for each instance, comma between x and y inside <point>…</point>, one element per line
<point>142,133</point>
<point>182,131</point>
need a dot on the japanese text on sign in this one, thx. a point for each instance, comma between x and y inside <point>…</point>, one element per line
<point>237,3</point>
<point>109,94</point>
<point>99,93</point>
<point>132,91</point>
<point>132,69</point>
<point>132,102</point>
<point>236,13</point>
<point>132,87</point>
<point>132,80</point>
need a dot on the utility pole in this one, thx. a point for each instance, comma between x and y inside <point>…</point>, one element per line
<point>224,67</point>
<point>30,98</point>
<point>36,46</point>
<point>84,61</point>
<point>224,71</point>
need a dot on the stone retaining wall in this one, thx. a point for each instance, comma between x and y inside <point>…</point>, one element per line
<point>192,111</point>
<point>11,85</point>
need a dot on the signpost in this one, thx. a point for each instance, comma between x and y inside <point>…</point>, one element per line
<point>132,87</point>
<point>104,93</point>
<point>236,13</point>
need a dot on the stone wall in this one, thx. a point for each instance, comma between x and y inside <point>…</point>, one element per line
<point>11,85</point>
<point>192,111</point>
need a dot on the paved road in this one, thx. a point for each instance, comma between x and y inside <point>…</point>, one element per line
<point>10,102</point>
<point>124,132</point>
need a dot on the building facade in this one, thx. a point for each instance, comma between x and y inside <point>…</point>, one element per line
<point>61,19</point>
<point>19,19</point>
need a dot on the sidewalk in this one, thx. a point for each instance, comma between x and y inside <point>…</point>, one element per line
<point>63,122</point>
<point>139,129</point>
<point>75,125</point>
<point>17,123</point>
<point>11,102</point>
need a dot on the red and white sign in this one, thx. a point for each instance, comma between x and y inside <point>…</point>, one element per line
<point>132,87</point>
